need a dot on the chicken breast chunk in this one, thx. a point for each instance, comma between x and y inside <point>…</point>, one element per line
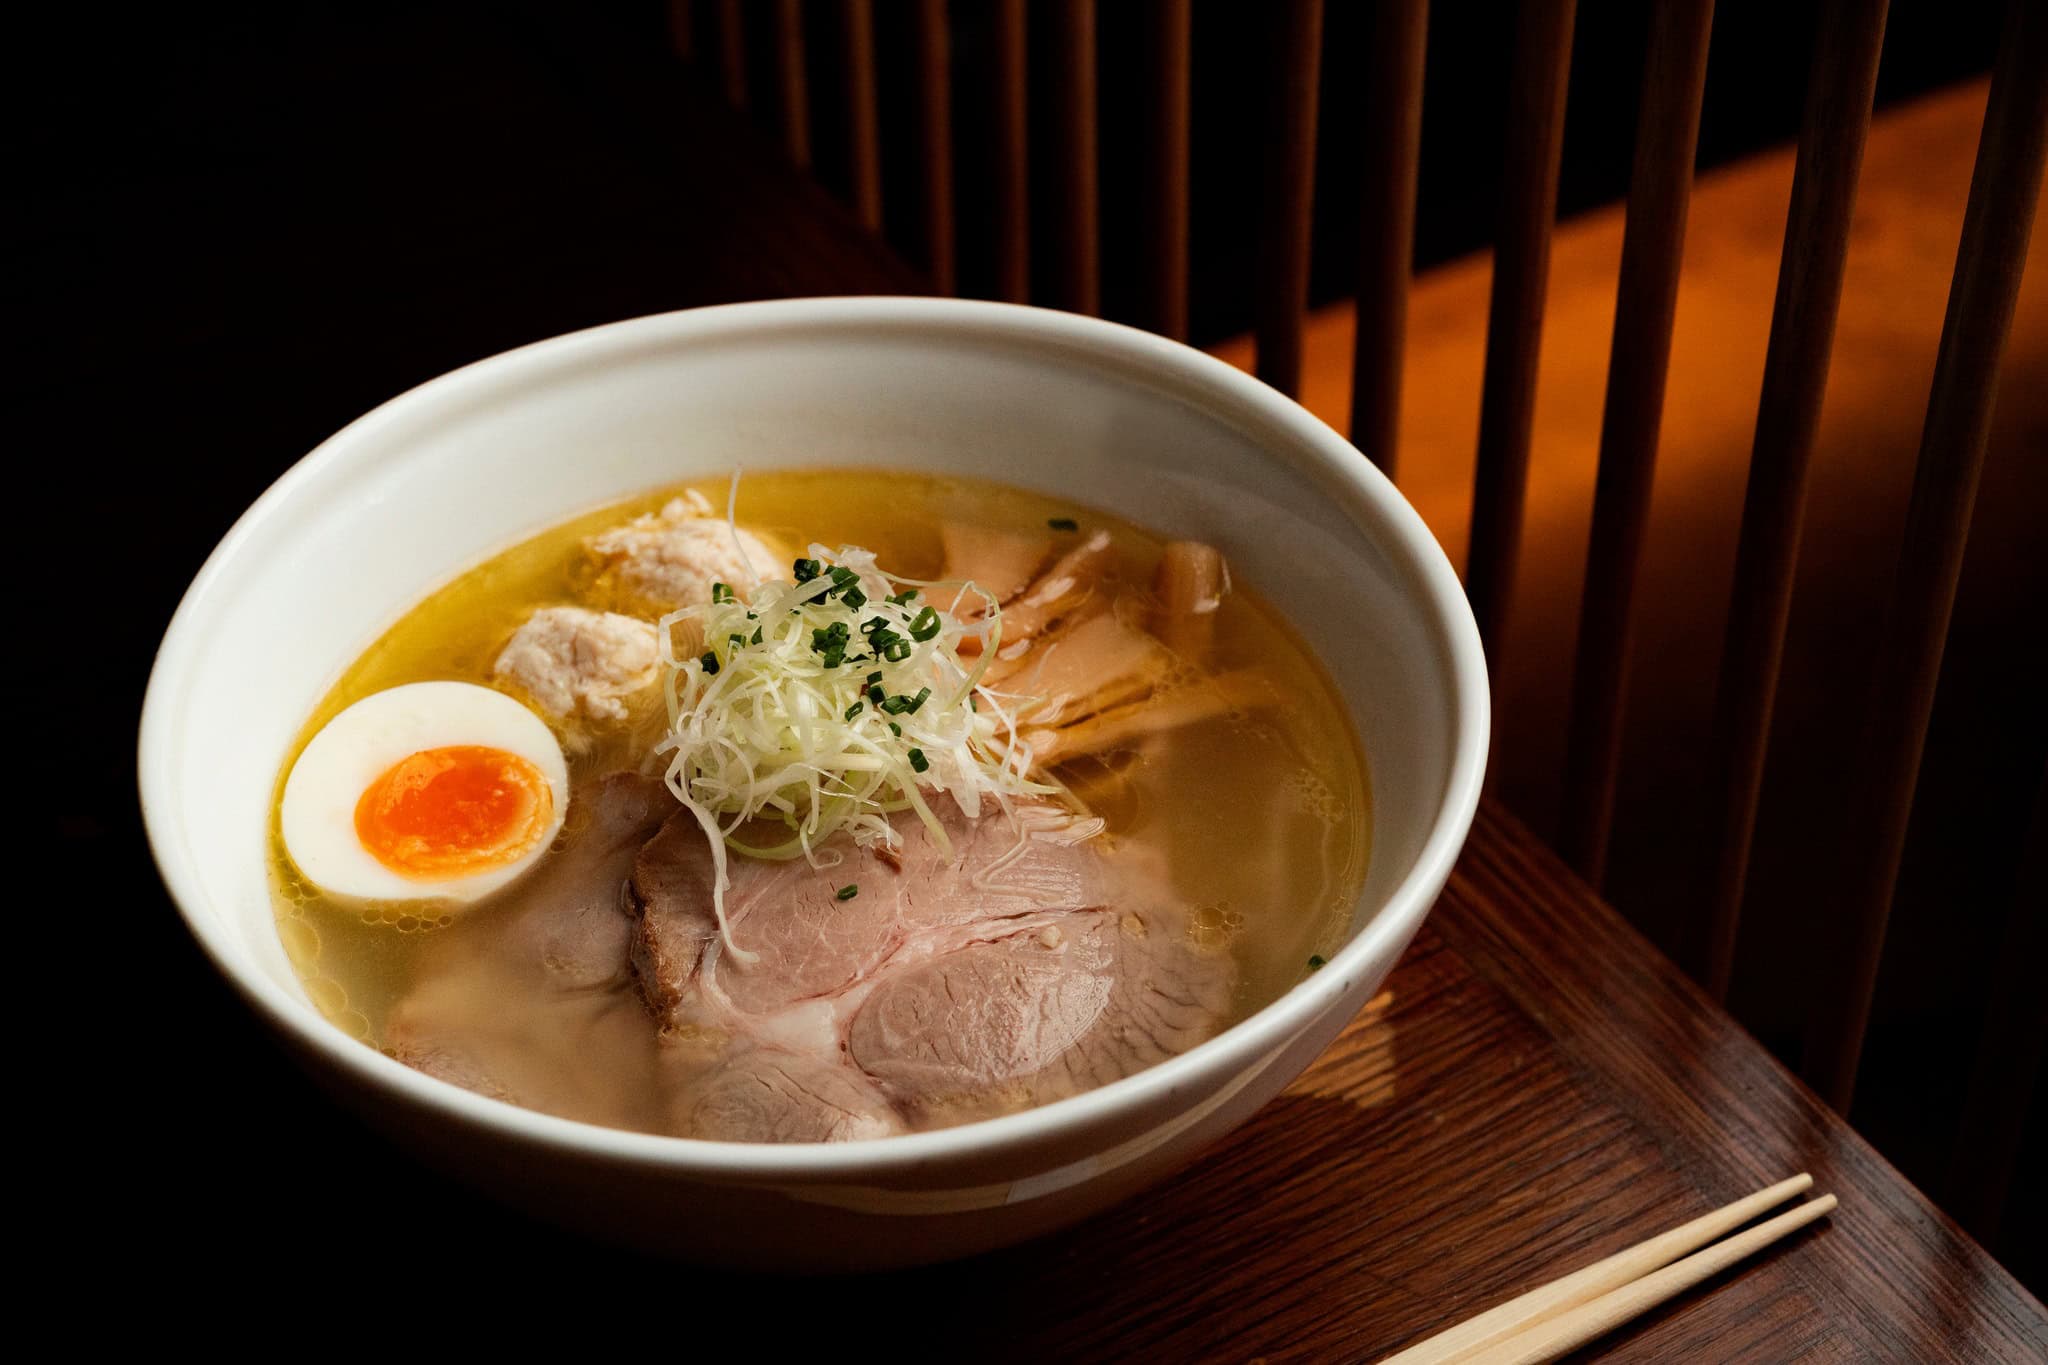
<point>669,559</point>
<point>572,661</point>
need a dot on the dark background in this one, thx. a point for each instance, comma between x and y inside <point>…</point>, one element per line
<point>237,228</point>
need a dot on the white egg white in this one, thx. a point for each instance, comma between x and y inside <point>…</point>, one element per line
<point>318,815</point>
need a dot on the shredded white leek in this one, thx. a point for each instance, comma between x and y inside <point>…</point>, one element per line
<point>796,715</point>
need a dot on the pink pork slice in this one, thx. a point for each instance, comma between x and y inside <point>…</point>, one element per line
<point>954,985</point>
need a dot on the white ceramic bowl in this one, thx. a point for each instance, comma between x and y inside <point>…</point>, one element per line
<point>443,476</point>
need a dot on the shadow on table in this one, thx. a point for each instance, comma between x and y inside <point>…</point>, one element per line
<point>1244,1231</point>
<point>1214,1261</point>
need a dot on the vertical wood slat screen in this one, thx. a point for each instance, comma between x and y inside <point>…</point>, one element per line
<point>863,126</point>
<point>935,140</point>
<point>1391,131</point>
<point>1073,142</point>
<point>1288,200</point>
<point>732,53</point>
<point>1847,44</point>
<point>1013,201</point>
<point>794,90</point>
<point>2004,187</point>
<point>1646,301</point>
<point>682,34</point>
<point>1166,167</point>
<point>1514,324</point>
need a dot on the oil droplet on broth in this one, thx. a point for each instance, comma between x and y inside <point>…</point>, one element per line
<point>301,943</point>
<point>407,917</point>
<point>1214,926</point>
<point>1313,797</point>
<point>327,996</point>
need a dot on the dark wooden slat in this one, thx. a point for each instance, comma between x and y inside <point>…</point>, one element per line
<point>682,33</point>
<point>863,126</point>
<point>1013,168</point>
<point>1391,123</point>
<point>1166,166</point>
<point>1514,323</point>
<point>789,69</point>
<point>732,52</point>
<point>725,218</point>
<point>1286,205</point>
<point>2011,1048</point>
<point>1652,252</point>
<point>1847,42</point>
<point>2004,186</point>
<point>935,139</point>
<point>1074,152</point>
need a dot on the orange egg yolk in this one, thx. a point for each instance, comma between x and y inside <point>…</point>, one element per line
<point>446,813</point>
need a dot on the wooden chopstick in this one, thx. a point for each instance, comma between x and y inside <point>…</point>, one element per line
<point>1568,1332</point>
<point>1608,1279</point>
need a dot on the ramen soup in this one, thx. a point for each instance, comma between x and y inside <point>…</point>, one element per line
<point>822,806</point>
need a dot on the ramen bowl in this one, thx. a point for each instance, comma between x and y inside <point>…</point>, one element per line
<point>441,477</point>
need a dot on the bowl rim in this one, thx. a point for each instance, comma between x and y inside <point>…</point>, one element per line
<point>1329,458</point>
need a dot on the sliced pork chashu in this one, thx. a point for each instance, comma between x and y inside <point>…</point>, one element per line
<point>951,986</point>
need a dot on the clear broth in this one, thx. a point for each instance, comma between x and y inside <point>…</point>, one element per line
<point>1263,817</point>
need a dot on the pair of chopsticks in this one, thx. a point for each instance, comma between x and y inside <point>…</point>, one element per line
<point>1565,1314</point>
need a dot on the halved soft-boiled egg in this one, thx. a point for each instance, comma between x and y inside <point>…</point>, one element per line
<point>436,790</point>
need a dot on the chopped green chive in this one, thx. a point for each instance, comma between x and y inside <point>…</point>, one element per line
<point>736,640</point>
<point>875,693</point>
<point>923,695</point>
<point>757,635</point>
<point>895,729</point>
<point>905,597</point>
<point>918,761</point>
<point>925,624</point>
<point>852,711</point>
<point>849,891</point>
<point>720,593</point>
<point>1315,961</point>
<point>874,677</point>
<point>1063,523</point>
<point>896,651</point>
<point>710,662</point>
<point>855,598</point>
<point>896,706</point>
<point>805,570</point>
